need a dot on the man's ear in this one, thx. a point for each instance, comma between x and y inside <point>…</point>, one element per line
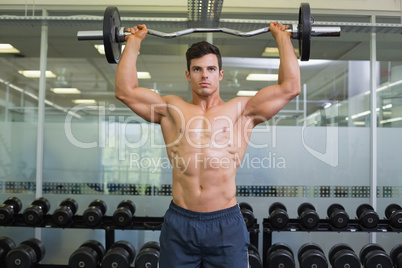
<point>188,76</point>
<point>220,75</point>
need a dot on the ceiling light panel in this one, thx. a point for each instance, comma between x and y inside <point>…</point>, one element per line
<point>65,90</point>
<point>36,73</point>
<point>7,48</point>
<point>262,77</point>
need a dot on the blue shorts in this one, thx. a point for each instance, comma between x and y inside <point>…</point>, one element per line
<point>213,239</point>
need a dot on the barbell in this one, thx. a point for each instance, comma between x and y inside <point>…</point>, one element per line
<point>113,35</point>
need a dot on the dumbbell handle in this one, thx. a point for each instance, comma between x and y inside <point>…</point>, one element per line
<point>315,31</point>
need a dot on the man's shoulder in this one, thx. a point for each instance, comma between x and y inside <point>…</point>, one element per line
<point>173,99</point>
<point>238,101</point>
<point>175,103</point>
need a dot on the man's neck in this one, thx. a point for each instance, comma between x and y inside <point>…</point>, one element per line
<point>207,102</point>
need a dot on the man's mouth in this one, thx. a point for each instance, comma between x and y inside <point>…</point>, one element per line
<point>204,84</point>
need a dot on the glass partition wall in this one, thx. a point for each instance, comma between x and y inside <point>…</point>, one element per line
<point>318,149</point>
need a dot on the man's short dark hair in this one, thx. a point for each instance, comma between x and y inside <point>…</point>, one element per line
<point>197,50</point>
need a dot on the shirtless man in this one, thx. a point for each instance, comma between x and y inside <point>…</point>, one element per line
<point>205,139</point>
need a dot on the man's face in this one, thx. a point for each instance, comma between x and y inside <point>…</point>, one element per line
<point>204,75</point>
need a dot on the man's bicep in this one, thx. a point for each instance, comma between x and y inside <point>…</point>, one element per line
<point>266,103</point>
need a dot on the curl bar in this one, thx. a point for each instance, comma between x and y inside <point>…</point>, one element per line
<point>113,34</point>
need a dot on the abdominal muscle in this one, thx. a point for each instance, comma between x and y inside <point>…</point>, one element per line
<point>204,180</point>
<point>205,150</point>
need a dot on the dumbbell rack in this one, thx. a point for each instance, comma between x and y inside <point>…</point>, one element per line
<point>323,226</point>
<point>254,231</point>
<point>138,223</point>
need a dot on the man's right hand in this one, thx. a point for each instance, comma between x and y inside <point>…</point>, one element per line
<point>140,31</point>
<point>278,29</point>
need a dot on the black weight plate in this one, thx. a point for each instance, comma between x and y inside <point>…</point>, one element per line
<point>37,246</point>
<point>281,258</point>
<point>254,260</point>
<point>276,205</point>
<point>377,259</point>
<point>279,219</point>
<point>6,244</point>
<point>122,217</point>
<point>3,254</point>
<point>114,257</point>
<point>92,216</point>
<point>363,207</point>
<point>15,202</point>
<point>147,257</point>
<point>84,257</point>
<point>100,204</point>
<point>391,208</point>
<point>313,258</point>
<point>71,203</point>
<point>367,248</point>
<point>248,217</point>
<point>22,256</point>
<point>33,214</point>
<point>395,252</point>
<point>96,246</point>
<point>43,203</point>
<point>62,216</point>
<point>253,249</point>
<point>244,205</point>
<point>128,204</point>
<point>369,219</point>
<point>398,261</point>
<point>339,219</point>
<point>151,244</point>
<point>278,246</point>
<point>334,207</point>
<point>304,31</point>
<point>304,206</point>
<point>307,247</point>
<point>6,213</point>
<point>309,219</point>
<point>396,219</point>
<point>126,246</point>
<point>111,24</point>
<point>345,258</point>
<point>336,248</point>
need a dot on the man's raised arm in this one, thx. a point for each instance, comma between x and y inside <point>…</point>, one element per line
<point>144,102</point>
<point>270,100</point>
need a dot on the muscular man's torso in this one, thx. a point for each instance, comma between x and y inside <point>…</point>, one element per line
<point>205,148</point>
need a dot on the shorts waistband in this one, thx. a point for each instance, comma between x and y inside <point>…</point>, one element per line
<point>227,212</point>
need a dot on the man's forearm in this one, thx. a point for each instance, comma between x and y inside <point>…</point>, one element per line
<point>126,73</point>
<point>288,67</point>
